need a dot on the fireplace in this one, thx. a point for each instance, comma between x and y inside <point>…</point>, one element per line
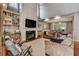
<point>30,35</point>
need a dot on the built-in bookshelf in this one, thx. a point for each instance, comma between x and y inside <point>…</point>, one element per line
<point>9,23</point>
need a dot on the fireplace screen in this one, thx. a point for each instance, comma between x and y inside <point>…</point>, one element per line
<point>30,35</point>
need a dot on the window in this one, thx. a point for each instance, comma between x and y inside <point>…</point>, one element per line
<point>16,7</point>
<point>59,26</point>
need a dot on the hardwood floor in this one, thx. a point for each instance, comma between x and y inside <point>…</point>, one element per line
<point>76,48</point>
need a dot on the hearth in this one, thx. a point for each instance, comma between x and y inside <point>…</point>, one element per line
<point>30,35</point>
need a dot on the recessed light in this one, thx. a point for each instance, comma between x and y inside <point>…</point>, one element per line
<point>57,17</point>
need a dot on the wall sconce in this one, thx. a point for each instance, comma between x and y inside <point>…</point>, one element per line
<point>3,5</point>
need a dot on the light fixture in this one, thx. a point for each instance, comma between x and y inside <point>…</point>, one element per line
<point>4,5</point>
<point>57,17</point>
<point>46,19</point>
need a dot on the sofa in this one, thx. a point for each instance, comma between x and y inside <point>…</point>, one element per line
<point>63,49</point>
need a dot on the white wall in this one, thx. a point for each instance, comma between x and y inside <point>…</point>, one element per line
<point>76,27</point>
<point>43,12</point>
<point>29,10</point>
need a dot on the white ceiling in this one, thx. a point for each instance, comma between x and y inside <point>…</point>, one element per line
<point>52,9</point>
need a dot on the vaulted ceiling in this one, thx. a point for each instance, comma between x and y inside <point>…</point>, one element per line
<point>52,9</point>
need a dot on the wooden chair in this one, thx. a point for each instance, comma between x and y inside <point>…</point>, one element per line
<point>14,49</point>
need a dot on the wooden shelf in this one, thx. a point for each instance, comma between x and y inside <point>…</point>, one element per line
<point>8,11</point>
<point>11,25</point>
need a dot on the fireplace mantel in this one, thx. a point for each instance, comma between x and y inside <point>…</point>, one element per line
<point>31,29</point>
